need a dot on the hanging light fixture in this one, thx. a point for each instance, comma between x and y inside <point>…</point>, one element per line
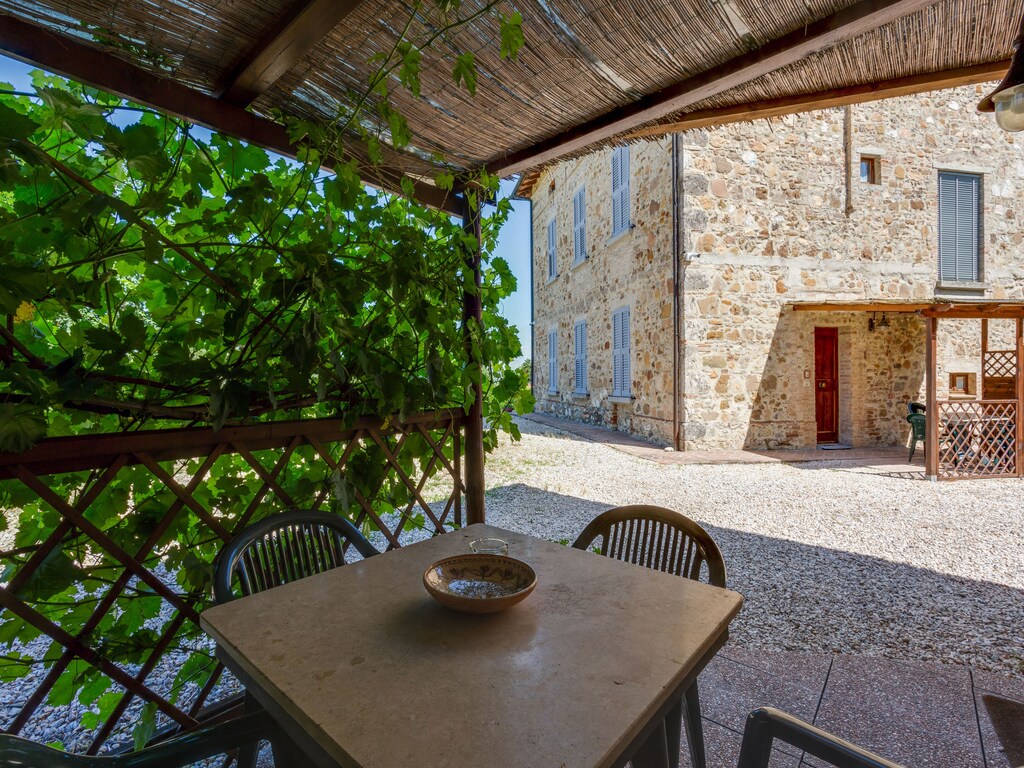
<point>885,321</point>
<point>1007,100</point>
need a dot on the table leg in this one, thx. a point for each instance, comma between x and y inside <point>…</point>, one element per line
<point>673,733</point>
<point>653,753</point>
<point>287,753</point>
<point>694,728</point>
<point>247,754</point>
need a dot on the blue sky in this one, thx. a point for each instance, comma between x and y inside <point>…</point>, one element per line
<point>513,242</point>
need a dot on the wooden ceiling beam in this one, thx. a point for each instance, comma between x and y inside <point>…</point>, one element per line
<point>839,97</point>
<point>87,64</point>
<point>290,38</point>
<point>781,52</point>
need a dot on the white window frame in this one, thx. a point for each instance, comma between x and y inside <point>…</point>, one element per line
<point>580,358</point>
<point>620,190</point>
<point>579,226</point>
<point>622,385</point>
<point>553,361</point>
<point>960,240</point>
<point>552,250</point>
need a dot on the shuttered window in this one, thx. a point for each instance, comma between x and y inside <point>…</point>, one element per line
<point>580,379</point>
<point>620,189</point>
<point>552,361</point>
<point>552,252</point>
<point>621,380</point>
<point>959,226</point>
<point>579,226</point>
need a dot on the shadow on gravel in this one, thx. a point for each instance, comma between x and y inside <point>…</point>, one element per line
<point>824,600</point>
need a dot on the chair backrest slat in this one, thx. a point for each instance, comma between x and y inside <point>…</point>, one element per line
<point>656,538</point>
<point>283,548</point>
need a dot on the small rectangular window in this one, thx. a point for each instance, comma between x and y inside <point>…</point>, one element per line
<point>869,170</point>
<point>580,378</point>
<point>621,378</point>
<point>960,225</point>
<point>963,383</point>
<point>579,226</point>
<point>553,361</point>
<point>620,189</point>
<point>552,252</point>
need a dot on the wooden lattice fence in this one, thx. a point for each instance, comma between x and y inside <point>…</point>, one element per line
<point>195,488</point>
<point>978,439</point>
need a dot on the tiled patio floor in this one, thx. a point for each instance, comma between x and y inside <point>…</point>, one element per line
<point>919,715</point>
<point>873,460</point>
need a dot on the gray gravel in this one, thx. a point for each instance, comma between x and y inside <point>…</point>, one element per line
<point>830,560</point>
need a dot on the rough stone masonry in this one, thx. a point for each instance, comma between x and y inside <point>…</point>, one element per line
<point>765,205</point>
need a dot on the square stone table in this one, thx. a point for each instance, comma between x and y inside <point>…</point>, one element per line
<point>363,668</point>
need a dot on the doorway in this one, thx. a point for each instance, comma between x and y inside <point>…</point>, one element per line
<point>826,384</point>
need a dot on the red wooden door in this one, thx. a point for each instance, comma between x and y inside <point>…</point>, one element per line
<point>826,383</point>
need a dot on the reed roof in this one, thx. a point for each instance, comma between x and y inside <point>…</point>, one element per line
<point>591,72</point>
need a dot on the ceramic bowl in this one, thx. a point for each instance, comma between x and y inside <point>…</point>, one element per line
<point>479,583</point>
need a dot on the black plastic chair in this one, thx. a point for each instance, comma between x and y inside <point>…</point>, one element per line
<point>283,548</point>
<point>668,541</point>
<point>766,725</point>
<point>186,749</point>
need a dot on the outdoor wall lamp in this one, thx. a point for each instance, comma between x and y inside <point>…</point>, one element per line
<point>1007,100</point>
<point>872,324</point>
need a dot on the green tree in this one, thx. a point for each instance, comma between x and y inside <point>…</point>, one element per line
<point>154,274</point>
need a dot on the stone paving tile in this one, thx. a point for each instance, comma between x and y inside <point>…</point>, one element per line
<point>996,752</point>
<point>806,669</point>
<point>729,691</point>
<point>999,684</point>
<point>722,750</point>
<point>913,714</point>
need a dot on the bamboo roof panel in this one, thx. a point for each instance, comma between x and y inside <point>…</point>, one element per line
<point>582,59</point>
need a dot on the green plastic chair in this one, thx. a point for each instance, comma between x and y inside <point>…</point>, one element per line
<point>186,749</point>
<point>917,424</point>
<point>283,548</point>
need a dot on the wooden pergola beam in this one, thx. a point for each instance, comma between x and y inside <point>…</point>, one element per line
<point>781,52</point>
<point>40,47</point>
<point>290,38</point>
<point>838,97</point>
<point>865,307</point>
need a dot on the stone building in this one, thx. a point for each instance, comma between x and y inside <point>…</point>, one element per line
<point>695,318</point>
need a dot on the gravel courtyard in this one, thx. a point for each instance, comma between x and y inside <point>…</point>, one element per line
<point>829,560</point>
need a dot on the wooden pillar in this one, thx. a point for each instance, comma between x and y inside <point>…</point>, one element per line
<point>931,451</point>
<point>472,323</point>
<point>1019,382</point>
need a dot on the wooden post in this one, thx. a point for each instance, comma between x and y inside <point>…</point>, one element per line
<point>472,318</point>
<point>931,450</point>
<point>1018,443</point>
<point>984,354</point>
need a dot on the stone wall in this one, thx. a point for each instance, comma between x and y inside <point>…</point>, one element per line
<point>765,207</point>
<point>625,270</point>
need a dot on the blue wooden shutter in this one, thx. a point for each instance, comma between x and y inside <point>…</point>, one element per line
<point>627,377</point>
<point>620,189</point>
<point>616,184</point>
<point>552,361</point>
<point>620,353</point>
<point>579,225</point>
<point>552,253</point>
<point>959,220</point>
<point>580,358</point>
